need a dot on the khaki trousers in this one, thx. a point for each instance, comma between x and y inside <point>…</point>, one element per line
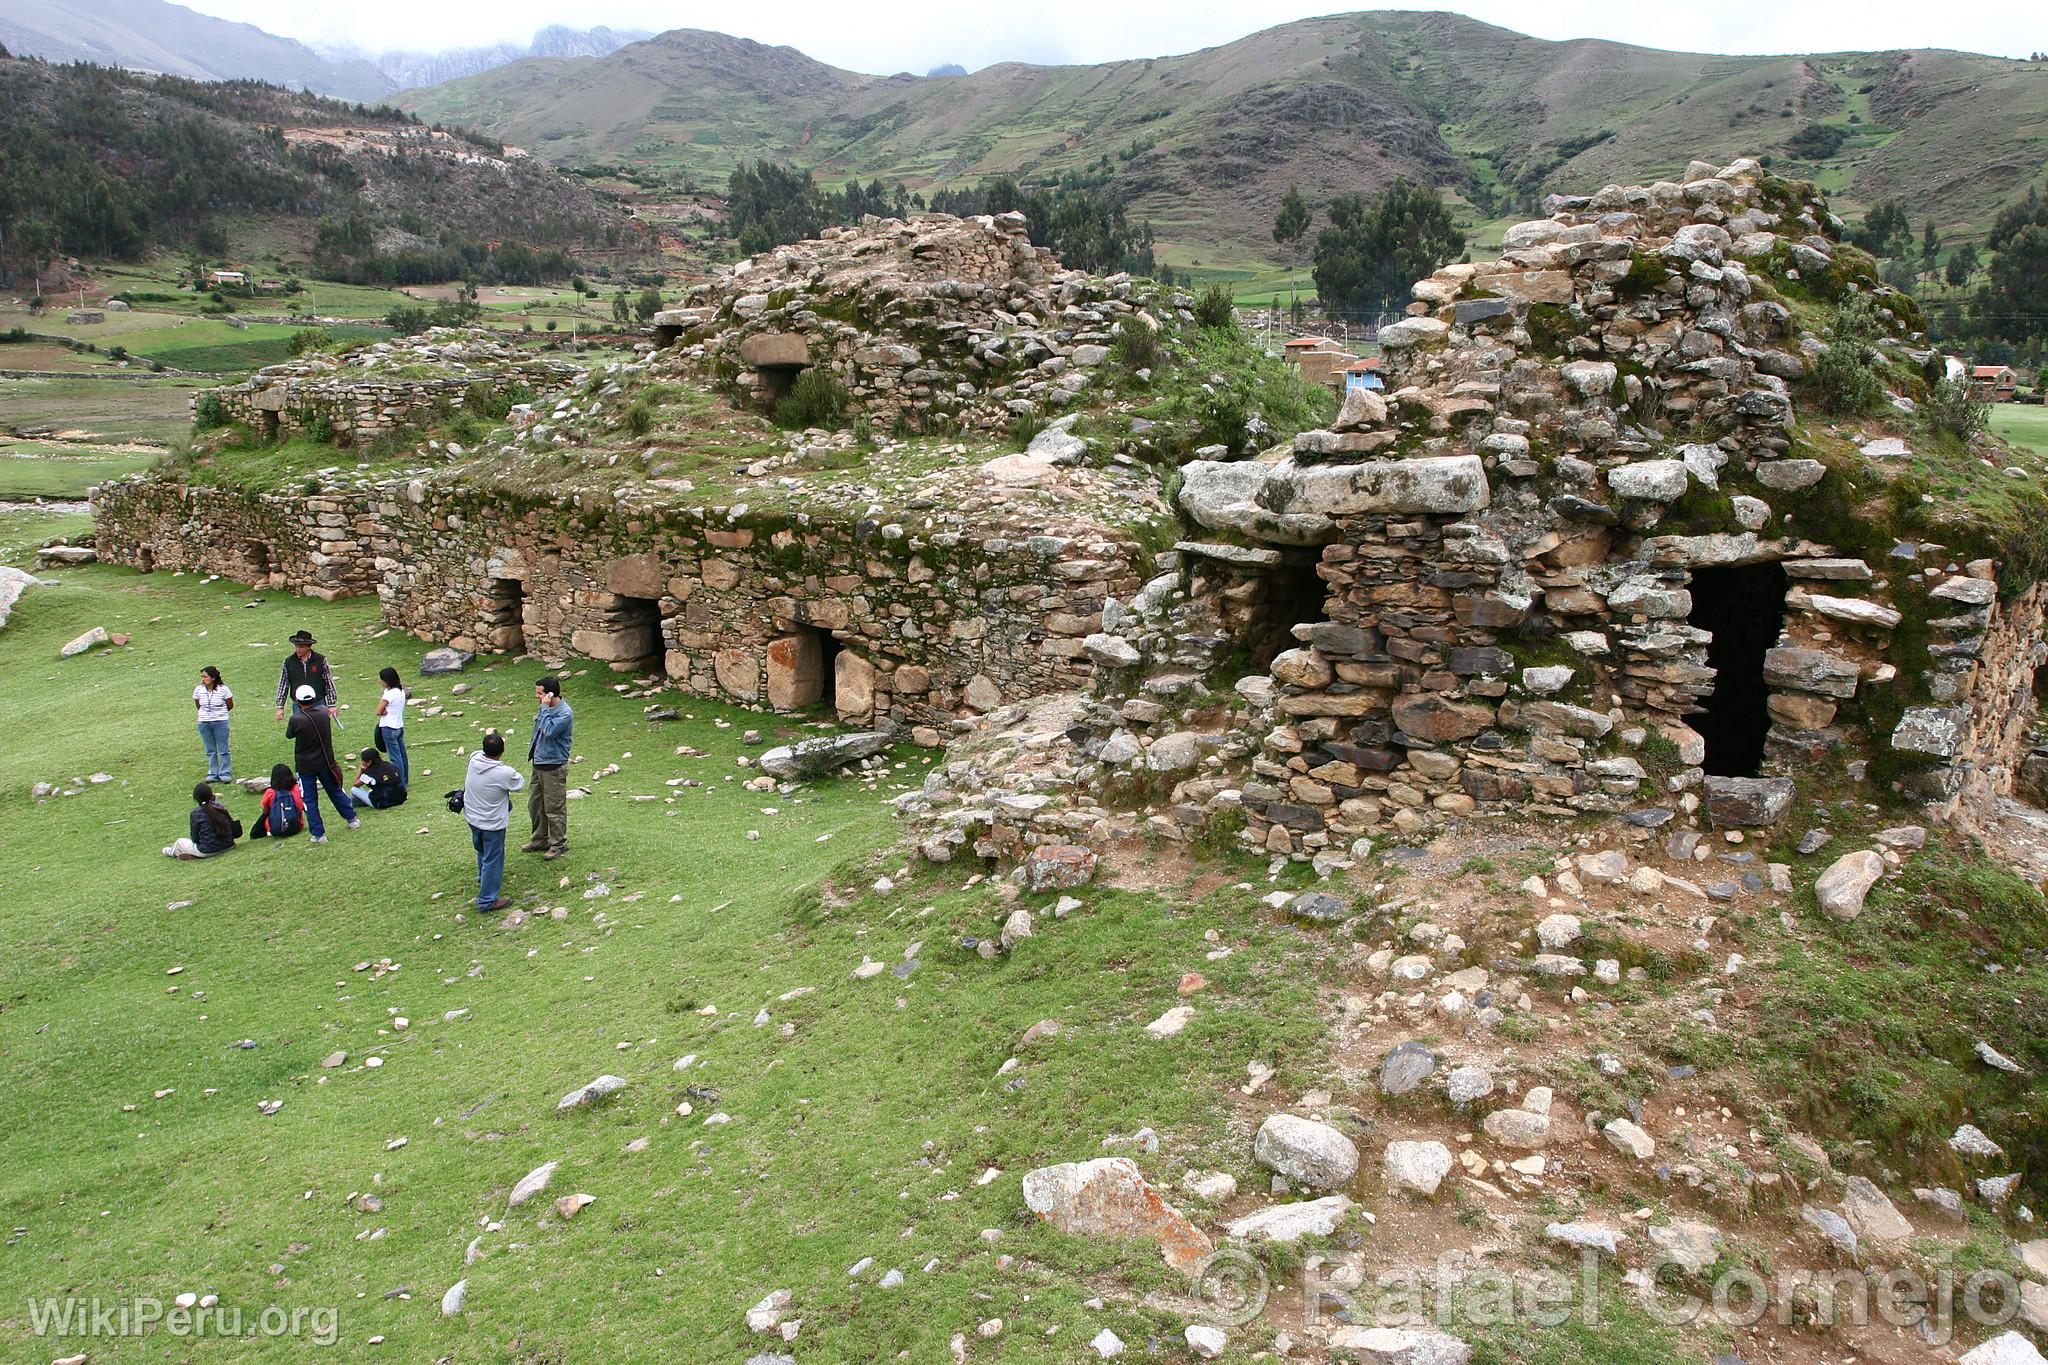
<point>547,806</point>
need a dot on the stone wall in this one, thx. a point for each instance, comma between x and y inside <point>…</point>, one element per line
<point>2002,711</point>
<point>889,625</point>
<point>356,413</point>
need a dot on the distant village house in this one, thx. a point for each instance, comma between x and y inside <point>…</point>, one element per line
<point>1994,383</point>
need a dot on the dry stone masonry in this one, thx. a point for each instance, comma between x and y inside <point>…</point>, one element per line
<point>936,324</point>
<point>386,388</point>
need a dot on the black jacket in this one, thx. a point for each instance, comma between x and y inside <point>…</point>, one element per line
<point>386,790</point>
<point>209,840</point>
<point>312,736</point>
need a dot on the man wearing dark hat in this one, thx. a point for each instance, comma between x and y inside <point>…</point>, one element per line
<point>304,668</point>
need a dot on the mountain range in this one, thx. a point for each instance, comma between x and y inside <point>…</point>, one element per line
<point>155,35</point>
<point>409,70</point>
<point>1206,143</point>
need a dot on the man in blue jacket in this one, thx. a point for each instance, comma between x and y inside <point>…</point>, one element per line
<point>547,802</point>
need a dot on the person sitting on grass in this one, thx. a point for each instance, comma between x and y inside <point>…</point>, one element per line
<point>282,816</point>
<point>213,830</point>
<point>378,782</point>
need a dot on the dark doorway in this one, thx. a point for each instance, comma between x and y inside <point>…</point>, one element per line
<point>1294,596</point>
<point>505,616</point>
<point>776,382</point>
<point>256,555</point>
<point>636,634</point>
<point>828,664</point>
<point>1743,608</point>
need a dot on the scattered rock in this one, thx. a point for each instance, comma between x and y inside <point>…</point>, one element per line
<point>1629,1140</point>
<point>1843,886</point>
<point>1417,1166</point>
<point>1291,1222</point>
<point>444,660</point>
<point>1309,1153</point>
<point>90,640</point>
<point>811,759</point>
<point>1408,1065</point>
<point>532,1183</point>
<point>591,1093</point>
<point>1108,1197</point>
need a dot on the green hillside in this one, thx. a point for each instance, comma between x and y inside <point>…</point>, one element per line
<point>1207,142</point>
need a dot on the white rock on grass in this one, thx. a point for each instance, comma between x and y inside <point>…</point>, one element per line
<point>1558,931</point>
<point>1171,1022</point>
<point>1291,1222</point>
<point>532,1184</point>
<point>1841,889</point>
<point>1107,1344</point>
<point>1969,1140</point>
<point>591,1093</point>
<point>451,1302</point>
<point>1206,1342</point>
<point>1306,1152</point>
<point>1689,1245</point>
<point>768,1314</point>
<point>1401,1346</point>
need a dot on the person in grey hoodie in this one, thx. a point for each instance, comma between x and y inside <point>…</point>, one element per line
<point>487,804</point>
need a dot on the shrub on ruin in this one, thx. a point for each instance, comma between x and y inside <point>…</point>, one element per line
<point>640,418</point>
<point>816,399</point>
<point>1846,378</point>
<point>1215,307</point>
<point>209,412</point>
<point>1137,346</point>
<point>1950,410</point>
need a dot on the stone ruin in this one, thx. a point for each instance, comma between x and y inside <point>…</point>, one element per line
<point>1582,555</point>
<point>936,323</point>
<point>1561,566</point>
<point>387,388</point>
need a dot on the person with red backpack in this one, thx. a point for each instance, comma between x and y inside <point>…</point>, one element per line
<point>282,815</point>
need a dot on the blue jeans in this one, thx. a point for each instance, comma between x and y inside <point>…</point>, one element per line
<point>490,864</point>
<point>310,784</point>
<point>394,748</point>
<point>214,735</point>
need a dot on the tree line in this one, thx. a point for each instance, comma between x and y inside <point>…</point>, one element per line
<point>1372,250</point>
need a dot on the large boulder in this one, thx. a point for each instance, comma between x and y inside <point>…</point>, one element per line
<point>1841,889</point>
<point>1442,485</point>
<point>1108,1197</point>
<point>1748,802</point>
<point>445,660</point>
<point>810,759</point>
<point>1306,1152</point>
<point>13,583</point>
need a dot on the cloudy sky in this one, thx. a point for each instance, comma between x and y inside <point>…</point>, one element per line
<point>915,35</point>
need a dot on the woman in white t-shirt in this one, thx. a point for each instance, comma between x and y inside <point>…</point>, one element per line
<point>391,724</point>
<point>213,701</point>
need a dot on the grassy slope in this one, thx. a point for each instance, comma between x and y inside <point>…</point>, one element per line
<point>824,1162</point>
<point>1208,141</point>
<point>31,471</point>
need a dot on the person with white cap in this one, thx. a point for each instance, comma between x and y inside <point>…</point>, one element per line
<point>311,730</point>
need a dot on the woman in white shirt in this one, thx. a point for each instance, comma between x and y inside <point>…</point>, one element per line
<point>391,724</point>
<point>213,701</point>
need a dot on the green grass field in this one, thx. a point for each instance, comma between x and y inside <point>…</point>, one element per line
<point>31,471</point>
<point>2023,425</point>
<point>106,409</point>
<point>862,1111</point>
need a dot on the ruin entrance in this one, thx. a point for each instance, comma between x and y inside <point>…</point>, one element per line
<point>1294,595</point>
<point>776,359</point>
<point>505,616</point>
<point>256,558</point>
<point>803,669</point>
<point>632,635</point>
<point>1743,608</point>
